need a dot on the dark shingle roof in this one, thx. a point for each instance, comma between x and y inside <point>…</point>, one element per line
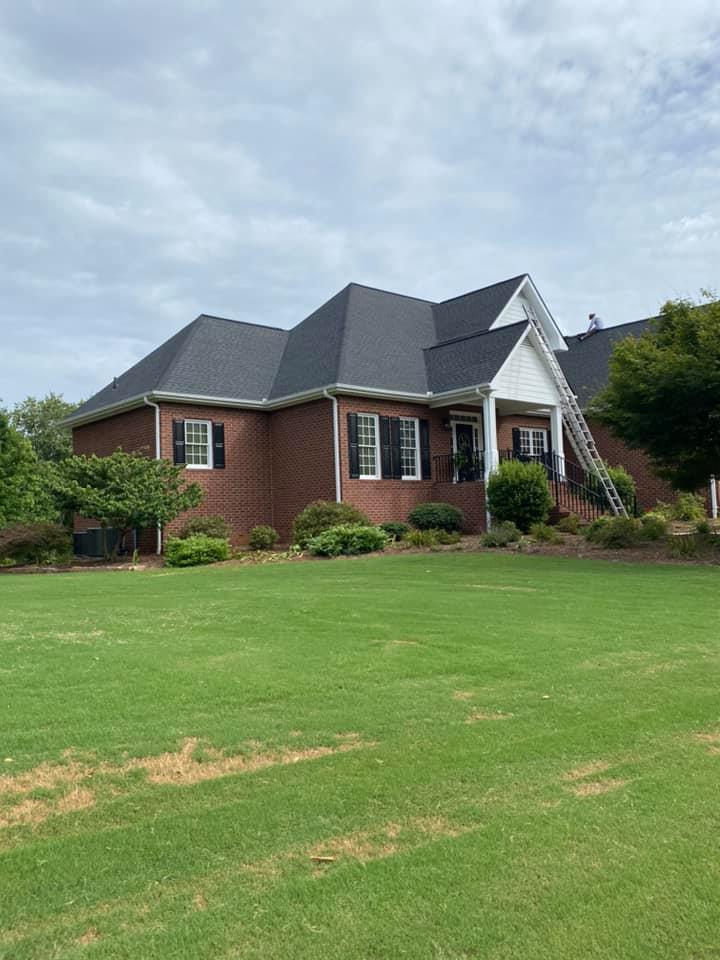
<point>473,360</point>
<point>474,311</point>
<point>585,363</point>
<point>362,337</point>
<point>209,357</point>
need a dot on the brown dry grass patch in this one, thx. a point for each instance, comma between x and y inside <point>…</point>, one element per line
<point>31,812</point>
<point>594,788</point>
<point>586,770</point>
<point>507,588</point>
<point>481,715</point>
<point>391,838</point>
<point>463,695</point>
<point>199,902</point>
<point>178,767</point>
<point>91,935</point>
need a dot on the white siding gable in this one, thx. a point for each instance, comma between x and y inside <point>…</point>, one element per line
<point>525,376</point>
<point>513,313</point>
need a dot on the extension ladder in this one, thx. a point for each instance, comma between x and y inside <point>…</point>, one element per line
<point>580,437</point>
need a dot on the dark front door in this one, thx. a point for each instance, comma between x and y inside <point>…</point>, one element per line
<point>465,452</point>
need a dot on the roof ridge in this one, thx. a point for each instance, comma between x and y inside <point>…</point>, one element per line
<point>190,331</point>
<point>391,293</point>
<point>489,286</point>
<point>477,333</point>
<point>247,323</point>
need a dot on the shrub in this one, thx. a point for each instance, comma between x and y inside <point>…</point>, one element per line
<point>500,535</point>
<point>653,526</point>
<point>347,539</point>
<point>544,533</point>
<point>215,527</point>
<point>614,532</point>
<point>322,515</point>
<point>624,484</point>
<point>437,516</point>
<point>689,506</point>
<point>691,546</point>
<point>704,527</point>
<point>569,524</point>
<point>263,538</point>
<point>192,551</point>
<point>40,543</point>
<point>431,538</point>
<point>395,529</point>
<point>519,492</point>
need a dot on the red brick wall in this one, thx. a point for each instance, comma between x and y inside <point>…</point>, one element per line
<point>394,499</point>
<point>131,431</point>
<point>303,469</point>
<point>241,492</point>
<point>650,488</point>
<point>505,428</point>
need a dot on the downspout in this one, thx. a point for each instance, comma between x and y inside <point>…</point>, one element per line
<point>158,548</point>
<point>713,498</point>
<point>336,443</point>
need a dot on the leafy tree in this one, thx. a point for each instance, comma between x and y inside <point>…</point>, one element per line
<point>24,494</point>
<point>663,395</point>
<point>39,421</point>
<point>124,490</point>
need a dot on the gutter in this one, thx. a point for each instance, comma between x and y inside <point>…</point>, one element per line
<point>336,444</point>
<point>158,548</point>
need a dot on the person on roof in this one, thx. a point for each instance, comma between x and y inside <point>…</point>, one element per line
<point>596,323</point>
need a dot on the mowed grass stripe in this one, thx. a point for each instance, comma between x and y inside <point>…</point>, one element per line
<point>579,825</point>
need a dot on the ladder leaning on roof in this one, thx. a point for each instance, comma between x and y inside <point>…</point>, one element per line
<point>578,430</point>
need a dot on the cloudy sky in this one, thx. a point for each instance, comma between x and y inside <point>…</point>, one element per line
<point>160,158</point>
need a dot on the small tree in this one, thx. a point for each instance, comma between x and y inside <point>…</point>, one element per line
<point>519,492</point>
<point>124,490</point>
<point>24,495</point>
<point>40,422</point>
<point>663,395</point>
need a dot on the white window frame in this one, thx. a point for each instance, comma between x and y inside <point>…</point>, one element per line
<point>378,468</point>
<point>200,466</point>
<point>416,421</point>
<point>531,431</point>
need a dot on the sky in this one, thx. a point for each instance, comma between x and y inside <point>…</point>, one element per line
<point>163,158</point>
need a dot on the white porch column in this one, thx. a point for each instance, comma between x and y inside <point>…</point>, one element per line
<point>713,498</point>
<point>490,435</point>
<point>556,438</point>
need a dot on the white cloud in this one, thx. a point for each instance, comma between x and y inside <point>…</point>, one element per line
<point>163,158</point>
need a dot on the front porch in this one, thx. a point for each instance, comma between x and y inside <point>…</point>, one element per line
<point>482,434</point>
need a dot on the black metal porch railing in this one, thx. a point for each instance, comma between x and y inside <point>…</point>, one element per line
<point>457,468</point>
<point>571,486</point>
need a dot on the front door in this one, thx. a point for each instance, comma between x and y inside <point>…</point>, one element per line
<point>465,466</point>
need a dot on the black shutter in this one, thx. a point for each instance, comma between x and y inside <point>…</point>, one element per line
<point>385,449</point>
<point>516,441</point>
<point>178,441</point>
<point>353,452</point>
<point>548,449</point>
<point>395,445</point>
<point>425,449</point>
<point>218,432</point>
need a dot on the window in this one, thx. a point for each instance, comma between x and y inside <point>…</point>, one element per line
<point>197,444</point>
<point>533,443</point>
<point>408,449</point>
<point>367,429</point>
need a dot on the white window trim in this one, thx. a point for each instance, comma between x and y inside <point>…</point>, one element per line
<point>200,466</point>
<point>531,431</point>
<point>378,468</point>
<point>416,421</point>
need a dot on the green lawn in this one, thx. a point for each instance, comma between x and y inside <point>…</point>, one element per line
<point>506,756</point>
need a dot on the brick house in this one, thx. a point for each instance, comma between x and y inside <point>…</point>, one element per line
<point>377,399</point>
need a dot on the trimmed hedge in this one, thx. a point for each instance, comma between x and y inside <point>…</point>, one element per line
<point>347,539</point>
<point>322,515</point>
<point>263,538</point>
<point>437,516</point>
<point>193,551</point>
<point>519,492</point>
